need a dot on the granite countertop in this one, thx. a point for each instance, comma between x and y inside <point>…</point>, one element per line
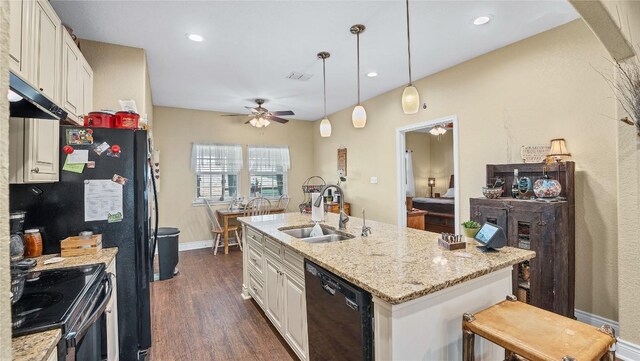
<point>106,255</point>
<point>38,346</point>
<point>396,264</point>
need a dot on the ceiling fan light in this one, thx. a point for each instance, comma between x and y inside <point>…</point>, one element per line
<point>265,122</point>
<point>325,128</point>
<point>253,122</point>
<point>359,117</point>
<point>410,100</point>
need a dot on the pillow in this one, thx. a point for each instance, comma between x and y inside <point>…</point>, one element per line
<point>451,193</point>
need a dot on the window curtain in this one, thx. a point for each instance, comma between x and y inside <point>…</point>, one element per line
<point>409,180</point>
<point>216,158</point>
<point>268,159</point>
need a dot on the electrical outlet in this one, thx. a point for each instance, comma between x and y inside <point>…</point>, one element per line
<point>374,180</point>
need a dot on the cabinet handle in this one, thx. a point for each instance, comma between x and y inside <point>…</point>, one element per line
<point>35,170</point>
<point>254,261</point>
<point>108,310</point>
<point>477,213</point>
<point>41,89</point>
<point>255,289</point>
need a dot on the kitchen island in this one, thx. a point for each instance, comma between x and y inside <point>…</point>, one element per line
<point>419,290</point>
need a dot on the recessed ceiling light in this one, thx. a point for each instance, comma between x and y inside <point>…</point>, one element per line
<point>195,37</point>
<point>481,20</point>
<point>372,74</point>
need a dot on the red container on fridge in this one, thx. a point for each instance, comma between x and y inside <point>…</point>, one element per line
<point>100,120</point>
<point>127,120</point>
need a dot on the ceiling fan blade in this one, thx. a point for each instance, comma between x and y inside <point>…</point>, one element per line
<point>253,110</point>
<point>276,119</point>
<point>283,112</point>
<point>236,115</point>
<point>248,121</point>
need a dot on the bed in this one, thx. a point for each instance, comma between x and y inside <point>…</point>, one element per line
<point>440,215</point>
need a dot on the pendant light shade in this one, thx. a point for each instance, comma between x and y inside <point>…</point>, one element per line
<point>410,95</point>
<point>325,128</point>
<point>325,124</point>
<point>359,115</point>
<point>410,100</point>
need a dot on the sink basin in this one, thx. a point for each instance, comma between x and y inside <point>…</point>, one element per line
<point>304,233</point>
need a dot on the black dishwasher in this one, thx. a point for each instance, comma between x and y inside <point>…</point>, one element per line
<point>338,317</point>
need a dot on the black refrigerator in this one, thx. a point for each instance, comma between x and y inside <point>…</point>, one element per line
<point>59,211</point>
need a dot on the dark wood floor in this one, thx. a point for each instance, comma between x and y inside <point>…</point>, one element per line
<point>199,314</point>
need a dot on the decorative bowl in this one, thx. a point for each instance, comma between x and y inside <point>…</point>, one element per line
<point>492,193</point>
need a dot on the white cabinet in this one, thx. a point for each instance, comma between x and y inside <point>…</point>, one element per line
<point>21,13</point>
<point>86,89</point>
<point>47,46</point>
<point>295,316</point>
<point>71,77</point>
<point>274,277</point>
<point>33,151</point>
<point>113,351</point>
<point>274,282</point>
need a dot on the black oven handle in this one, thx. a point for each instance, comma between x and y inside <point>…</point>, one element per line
<point>74,337</point>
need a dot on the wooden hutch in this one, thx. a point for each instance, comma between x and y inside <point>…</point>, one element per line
<point>548,228</point>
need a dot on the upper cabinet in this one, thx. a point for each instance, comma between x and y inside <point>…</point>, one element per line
<point>34,150</point>
<point>71,80</point>
<point>21,13</point>
<point>47,41</point>
<point>43,53</point>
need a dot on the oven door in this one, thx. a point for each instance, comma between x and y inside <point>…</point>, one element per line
<point>87,341</point>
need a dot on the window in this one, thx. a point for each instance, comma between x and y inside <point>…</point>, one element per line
<point>268,167</point>
<point>217,168</point>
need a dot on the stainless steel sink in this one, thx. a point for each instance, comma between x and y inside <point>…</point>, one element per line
<point>304,233</point>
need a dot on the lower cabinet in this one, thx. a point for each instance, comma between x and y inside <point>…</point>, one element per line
<point>275,280</point>
<point>113,351</point>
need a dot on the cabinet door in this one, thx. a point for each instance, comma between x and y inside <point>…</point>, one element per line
<point>71,81</point>
<point>86,85</point>
<point>485,214</point>
<point>20,17</point>
<point>47,45</point>
<point>295,320</point>
<point>112,318</point>
<point>41,143</point>
<point>273,299</point>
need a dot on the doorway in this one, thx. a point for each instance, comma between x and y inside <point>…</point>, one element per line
<point>430,188</point>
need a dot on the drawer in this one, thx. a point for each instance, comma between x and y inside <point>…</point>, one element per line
<point>255,236</point>
<point>254,261</point>
<point>273,246</point>
<point>293,261</point>
<point>256,290</point>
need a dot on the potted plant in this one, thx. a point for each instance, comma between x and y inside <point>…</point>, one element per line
<point>470,228</point>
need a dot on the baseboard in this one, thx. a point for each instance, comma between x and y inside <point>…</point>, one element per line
<point>187,246</point>
<point>626,351</point>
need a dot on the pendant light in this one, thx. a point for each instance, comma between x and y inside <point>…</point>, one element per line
<point>410,96</point>
<point>359,115</point>
<point>325,124</point>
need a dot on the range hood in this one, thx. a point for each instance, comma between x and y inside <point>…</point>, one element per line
<point>25,101</point>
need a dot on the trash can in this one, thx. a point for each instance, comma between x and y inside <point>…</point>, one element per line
<point>168,252</point>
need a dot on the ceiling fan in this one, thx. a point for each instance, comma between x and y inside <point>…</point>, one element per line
<point>262,117</point>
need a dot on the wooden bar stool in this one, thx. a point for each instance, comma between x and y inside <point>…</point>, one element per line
<point>536,334</point>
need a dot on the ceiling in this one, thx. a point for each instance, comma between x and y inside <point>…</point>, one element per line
<point>251,46</point>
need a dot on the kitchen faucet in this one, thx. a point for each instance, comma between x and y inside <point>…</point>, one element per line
<point>366,231</point>
<point>342,223</point>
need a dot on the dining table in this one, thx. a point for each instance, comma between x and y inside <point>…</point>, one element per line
<point>226,215</point>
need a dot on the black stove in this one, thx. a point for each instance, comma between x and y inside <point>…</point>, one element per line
<point>55,298</point>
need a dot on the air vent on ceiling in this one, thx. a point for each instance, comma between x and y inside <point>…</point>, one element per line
<point>294,75</point>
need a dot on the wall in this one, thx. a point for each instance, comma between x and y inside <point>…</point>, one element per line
<point>119,73</point>
<point>432,157</point>
<point>626,19</point>
<point>419,143</point>
<point>529,92</point>
<point>5,305</point>
<point>176,129</point>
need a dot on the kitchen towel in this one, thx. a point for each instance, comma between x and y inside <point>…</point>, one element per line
<point>317,213</point>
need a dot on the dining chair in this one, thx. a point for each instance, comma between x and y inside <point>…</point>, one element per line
<point>283,202</point>
<point>218,232</point>
<point>257,207</point>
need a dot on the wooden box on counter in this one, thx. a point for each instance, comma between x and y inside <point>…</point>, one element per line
<point>548,228</point>
<point>76,246</point>
<point>335,208</point>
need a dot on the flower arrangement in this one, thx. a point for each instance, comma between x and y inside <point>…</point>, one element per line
<point>626,86</point>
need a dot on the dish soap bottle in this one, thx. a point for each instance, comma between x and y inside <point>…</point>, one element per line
<point>514,184</point>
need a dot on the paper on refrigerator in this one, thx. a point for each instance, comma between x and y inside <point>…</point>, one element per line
<point>102,200</point>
